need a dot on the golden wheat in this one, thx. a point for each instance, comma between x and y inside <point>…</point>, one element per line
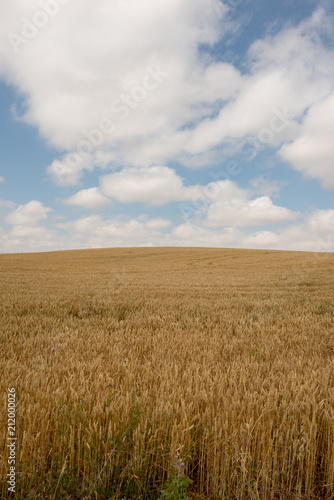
<point>121,358</point>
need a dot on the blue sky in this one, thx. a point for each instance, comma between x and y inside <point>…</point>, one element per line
<point>187,123</point>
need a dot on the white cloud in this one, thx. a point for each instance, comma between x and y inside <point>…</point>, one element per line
<point>315,233</point>
<point>95,232</point>
<point>242,212</point>
<point>267,187</point>
<point>88,198</point>
<point>137,65</point>
<point>158,223</point>
<point>68,170</point>
<point>289,71</point>
<point>7,204</point>
<point>262,239</point>
<point>28,239</point>
<point>2,179</point>
<point>192,235</point>
<point>312,152</point>
<point>28,214</point>
<point>30,233</point>
<point>152,185</point>
<point>109,100</point>
<point>135,89</point>
<point>224,203</point>
<point>321,222</point>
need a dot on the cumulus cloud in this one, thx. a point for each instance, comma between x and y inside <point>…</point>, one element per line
<point>68,170</point>
<point>98,97</point>
<point>314,233</point>
<point>223,202</point>
<point>322,222</point>
<point>262,239</point>
<point>28,214</point>
<point>312,152</point>
<point>155,186</point>
<point>152,185</point>
<point>243,212</point>
<point>191,234</point>
<point>98,232</point>
<point>76,86</point>
<point>288,72</point>
<point>28,239</point>
<point>88,198</point>
<point>136,88</point>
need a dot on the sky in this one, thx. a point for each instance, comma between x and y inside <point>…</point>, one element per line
<point>185,123</point>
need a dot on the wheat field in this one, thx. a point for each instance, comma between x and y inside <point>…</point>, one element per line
<point>169,373</point>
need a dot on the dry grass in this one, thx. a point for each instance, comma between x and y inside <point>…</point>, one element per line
<point>122,357</point>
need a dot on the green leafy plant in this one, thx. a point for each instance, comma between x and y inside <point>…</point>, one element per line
<point>178,483</point>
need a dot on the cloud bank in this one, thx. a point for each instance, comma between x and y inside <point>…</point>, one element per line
<point>140,88</point>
